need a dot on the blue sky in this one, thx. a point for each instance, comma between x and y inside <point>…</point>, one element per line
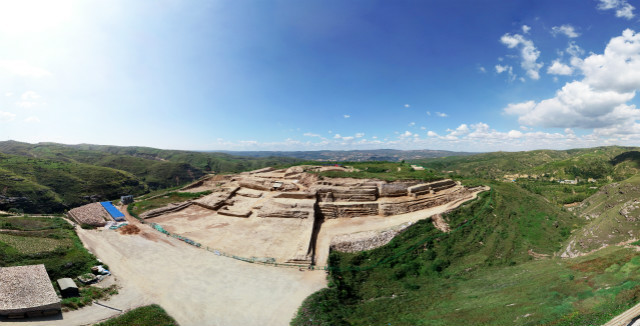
<point>308,75</point>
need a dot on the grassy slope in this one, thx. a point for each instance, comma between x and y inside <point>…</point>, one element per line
<point>152,315</point>
<point>50,186</point>
<point>615,161</point>
<point>606,223</point>
<point>480,274</point>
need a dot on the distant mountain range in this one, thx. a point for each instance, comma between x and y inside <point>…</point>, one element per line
<point>393,155</point>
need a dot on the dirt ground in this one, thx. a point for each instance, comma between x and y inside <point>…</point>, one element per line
<point>254,236</point>
<point>194,286</point>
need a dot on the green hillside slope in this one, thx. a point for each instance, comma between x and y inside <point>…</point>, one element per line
<point>615,162</point>
<point>40,185</point>
<point>613,216</point>
<point>497,267</point>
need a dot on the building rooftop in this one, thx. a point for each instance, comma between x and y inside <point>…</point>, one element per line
<point>24,288</point>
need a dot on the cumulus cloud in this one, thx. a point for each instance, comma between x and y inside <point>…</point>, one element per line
<point>622,7</point>
<point>482,69</point>
<point>32,119</point>
<point>6,116</point>
<point>559,68</point>
<point>526,29</point>
<point>520,108</point>
<point>441,115</point>
<point>407,106</point>
<point>411,124</point>
<point>23,69</point>
<point>567,30</point>
<point>359,135</point>
<point>346,116</point>
<point>432,134</point>
<point>600,101</point>
<point>529,54</point>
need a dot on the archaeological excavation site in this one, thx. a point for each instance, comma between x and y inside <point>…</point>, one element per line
<point>295,216</point>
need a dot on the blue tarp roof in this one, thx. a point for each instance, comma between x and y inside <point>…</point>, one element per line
<point>112,210</point>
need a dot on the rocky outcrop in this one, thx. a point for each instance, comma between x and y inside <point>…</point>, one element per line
<point>362,241</point>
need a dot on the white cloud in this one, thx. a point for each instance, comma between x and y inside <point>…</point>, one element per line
<point>622,7</point>
<point>600,101</point>
<point>6,116</point>
<point>528,53</point>
<point>423,128</point>
<point>618,68</point>
<point>406,134</point>
<point>578,105</point>
<point>337,136</point>
<point>7,94</point>
<point>359,135</point>
<point>23,68</point>
<point>432,134</point>
<point>346,116</point>
<point>441,115</point>
<point>428,113</point>
<point>32,119</point>
<point>520,108</point>
<point>482,69</point>
<point>526,29</point>
<point>309,134</point>
<point>566,30</point>
<point>559,68</point>
<point>407,105</point>
<point>508,69</point>
<point>348,138</point>
<point>411,124</point>
<point>574,50</point>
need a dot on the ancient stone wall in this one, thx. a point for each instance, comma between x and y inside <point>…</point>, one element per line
<point>340,210</point>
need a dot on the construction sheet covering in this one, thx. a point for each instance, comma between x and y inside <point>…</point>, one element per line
<point>113,211</point>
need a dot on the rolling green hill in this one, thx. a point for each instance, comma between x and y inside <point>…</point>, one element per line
<point>49,177</point>
<point>614,162</point>
<point>46,186</point>
<point>496,267</point>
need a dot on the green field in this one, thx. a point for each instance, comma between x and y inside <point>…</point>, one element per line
<point>152,315</point>
<point>42,240</point>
